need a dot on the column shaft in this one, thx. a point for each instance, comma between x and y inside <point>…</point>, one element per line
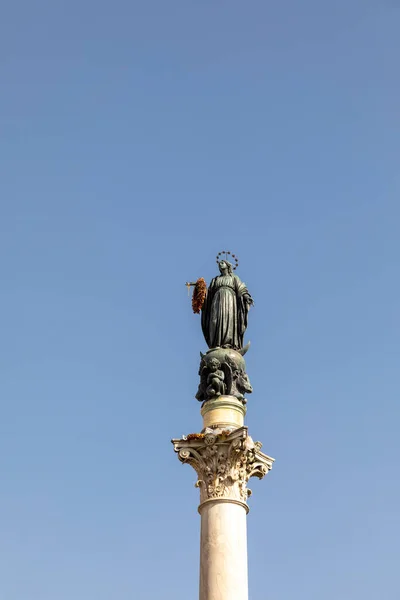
<point>223,551</point>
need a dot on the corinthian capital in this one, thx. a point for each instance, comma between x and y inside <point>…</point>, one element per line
<point>224,461</point>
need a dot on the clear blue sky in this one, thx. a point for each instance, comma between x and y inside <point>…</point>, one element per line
<point>137,140</point>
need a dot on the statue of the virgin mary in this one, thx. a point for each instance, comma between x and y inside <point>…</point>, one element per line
<point>225,309</point>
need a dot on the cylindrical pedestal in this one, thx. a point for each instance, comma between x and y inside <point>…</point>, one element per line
<point>224,411</point>
<point>223,550</point>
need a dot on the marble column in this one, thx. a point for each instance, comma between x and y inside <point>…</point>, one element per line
<point>223,550</point>
<point>224,457</point>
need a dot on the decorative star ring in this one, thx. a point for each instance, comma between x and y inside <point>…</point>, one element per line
<point>227,253</point>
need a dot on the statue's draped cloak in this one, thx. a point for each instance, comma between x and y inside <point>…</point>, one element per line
<point>224,313</point>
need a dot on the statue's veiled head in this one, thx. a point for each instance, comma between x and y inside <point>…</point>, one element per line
<point>225,267</point>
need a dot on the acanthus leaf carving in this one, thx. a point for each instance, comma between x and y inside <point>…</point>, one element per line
<point>224,462</point>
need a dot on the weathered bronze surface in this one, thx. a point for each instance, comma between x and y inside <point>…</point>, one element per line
<point>223,372</point>
<point>224,316</point>
<point>225,310</point>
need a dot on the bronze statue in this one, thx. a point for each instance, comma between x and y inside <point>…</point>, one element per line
<point>215,379</point>
<point>224,306</point>
<point>224,310</point>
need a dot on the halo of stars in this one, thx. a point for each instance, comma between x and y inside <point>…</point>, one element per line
<point>233,256</point>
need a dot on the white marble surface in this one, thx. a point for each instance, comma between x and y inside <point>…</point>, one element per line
<point>223,551</point>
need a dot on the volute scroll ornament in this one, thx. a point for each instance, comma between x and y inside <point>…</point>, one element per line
<point>224,462</point>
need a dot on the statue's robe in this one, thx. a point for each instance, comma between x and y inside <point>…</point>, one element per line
<point>224,313</point>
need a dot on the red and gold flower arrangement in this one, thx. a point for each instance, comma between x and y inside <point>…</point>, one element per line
<point>199,295</point>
